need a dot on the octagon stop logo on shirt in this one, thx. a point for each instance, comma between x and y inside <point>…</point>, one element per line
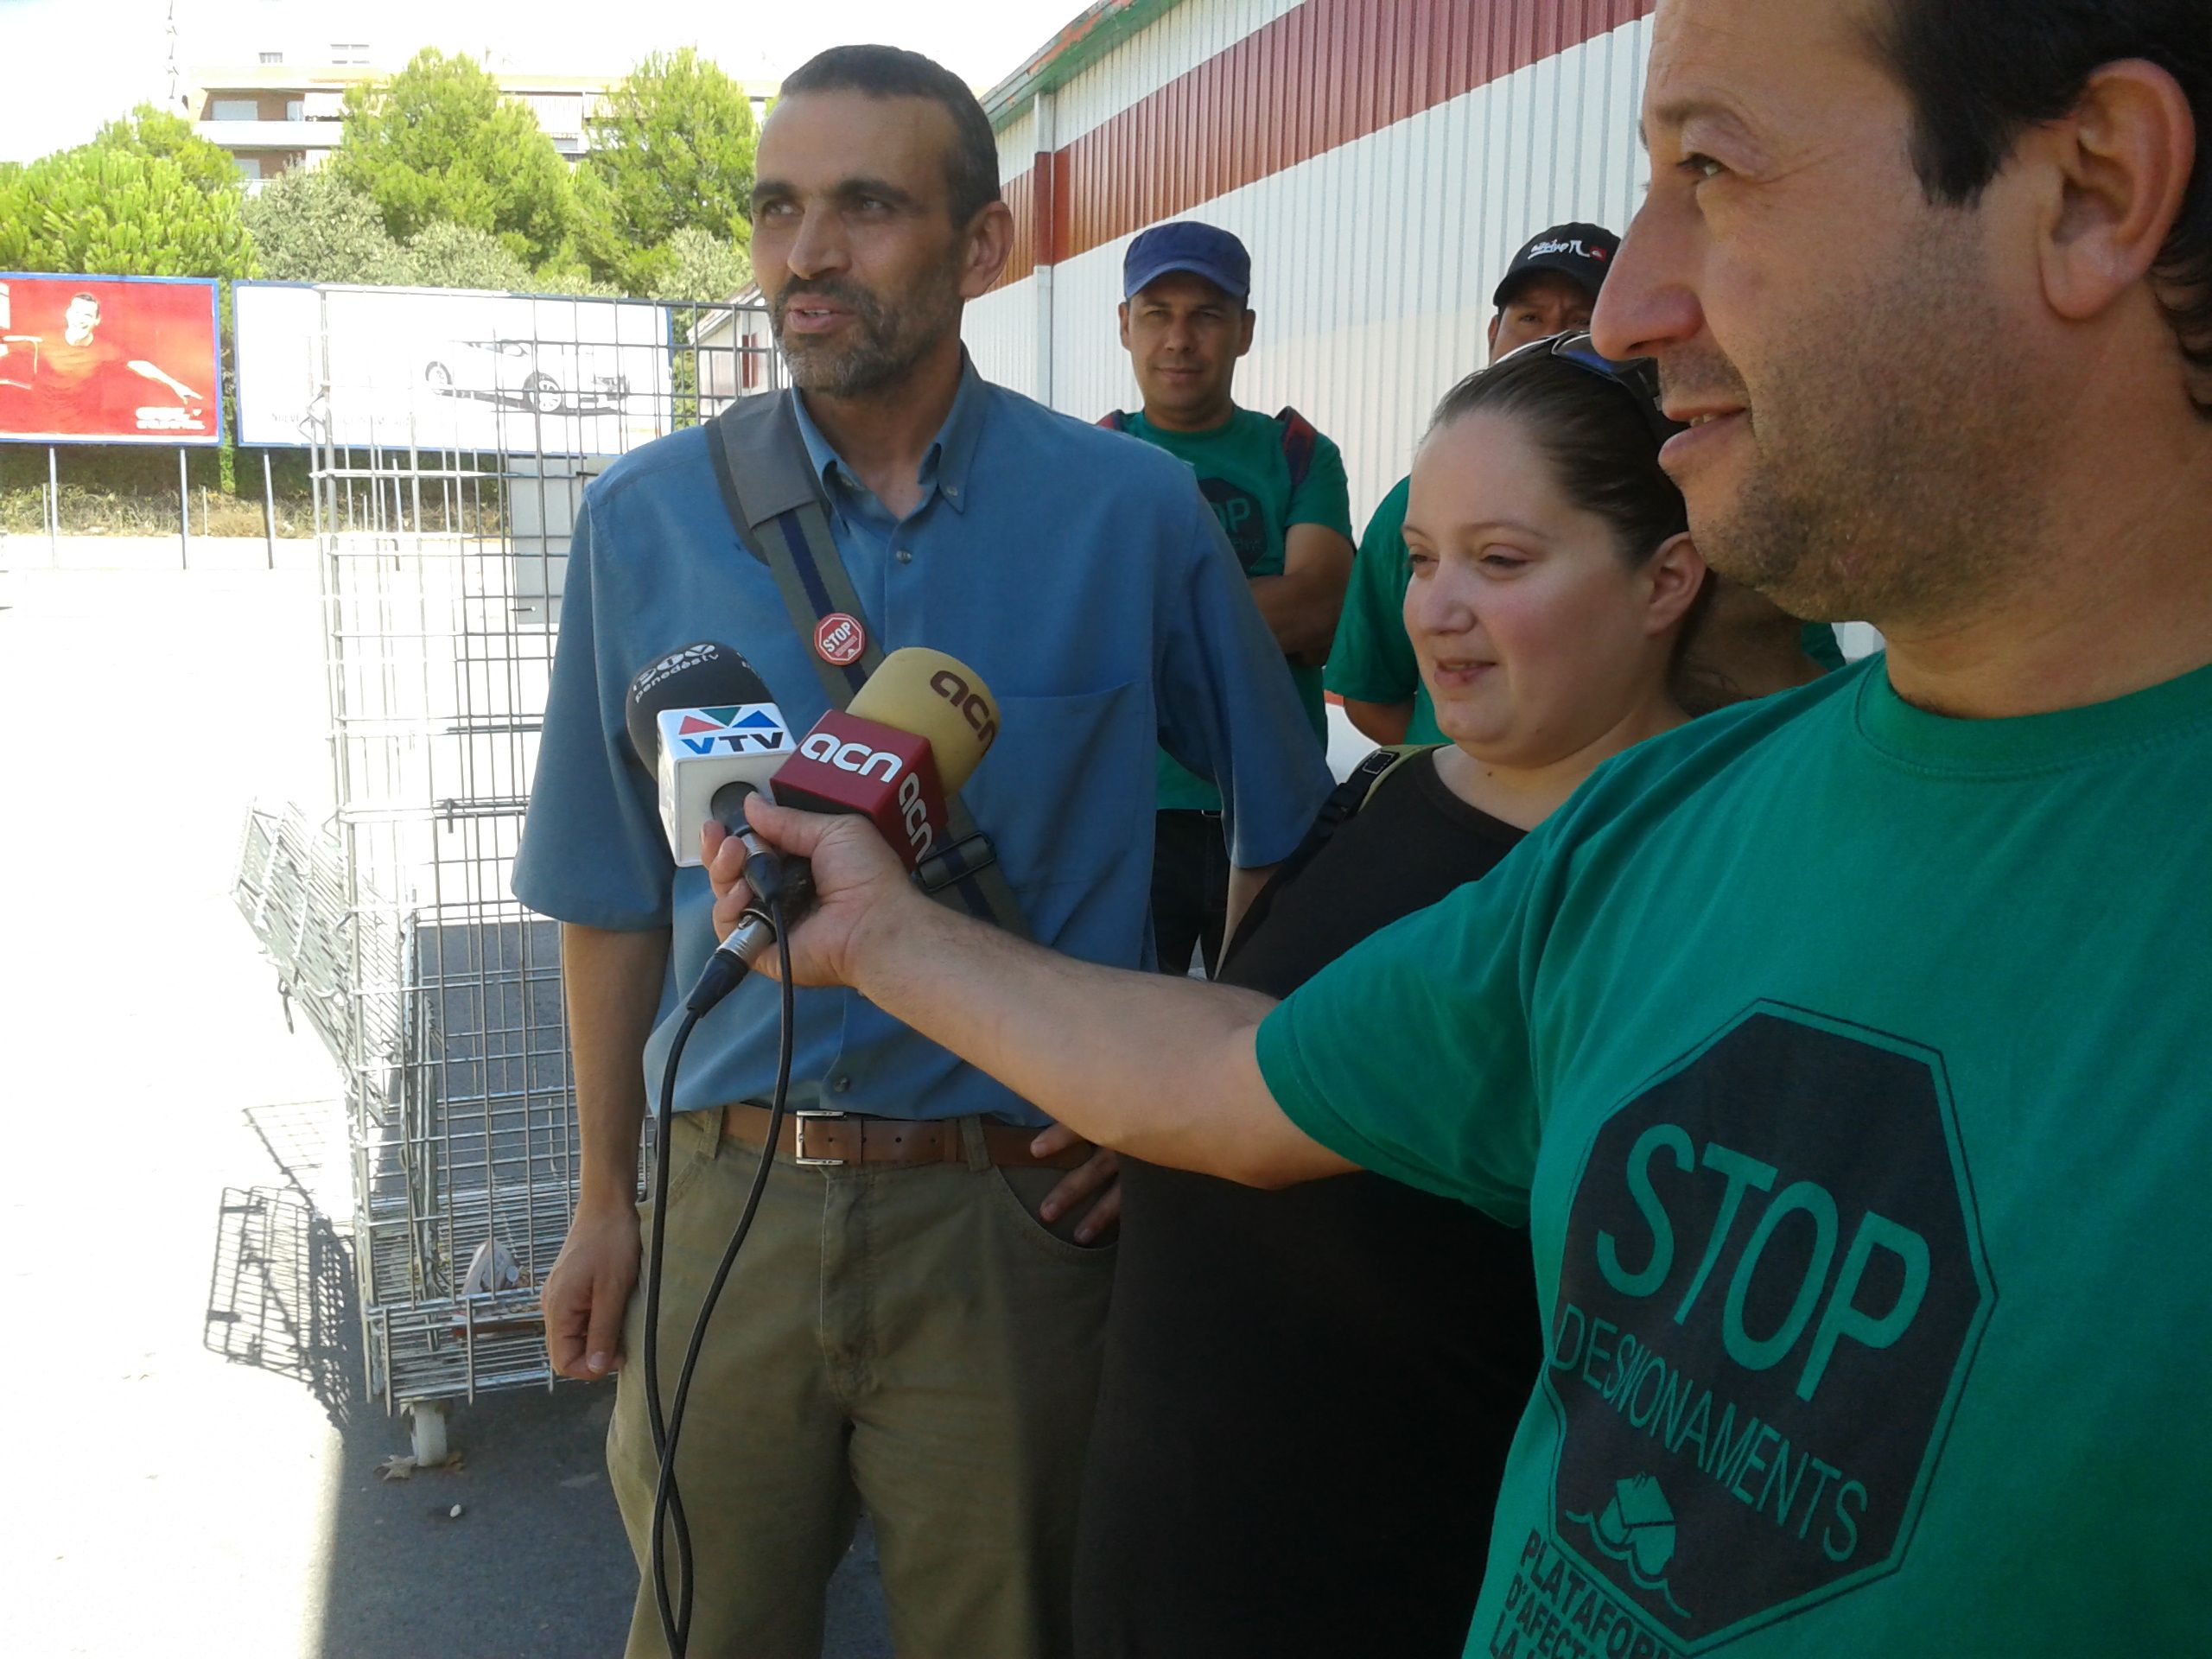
<point>1770,1297</point>
<point>1243,520</point>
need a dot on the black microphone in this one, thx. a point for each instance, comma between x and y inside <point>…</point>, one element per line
<point>703,721</point>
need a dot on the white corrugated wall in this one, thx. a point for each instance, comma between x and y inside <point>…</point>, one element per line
<point>1000,328</point>
<point>1373,262</point>
<point>1191,34</point>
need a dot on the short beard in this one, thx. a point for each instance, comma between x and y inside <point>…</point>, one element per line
<point>1901,489</point>
<point>890,343</point>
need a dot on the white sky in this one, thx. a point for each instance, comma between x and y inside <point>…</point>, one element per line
<point>77,63</point>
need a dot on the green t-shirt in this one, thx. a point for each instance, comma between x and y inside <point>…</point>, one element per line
<point>1244,473</point>
<point>1872,1257</point>
<point>1819,642</point>
<point>1373,661</point>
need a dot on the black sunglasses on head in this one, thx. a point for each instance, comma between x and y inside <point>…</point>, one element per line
<point>1638,377</point>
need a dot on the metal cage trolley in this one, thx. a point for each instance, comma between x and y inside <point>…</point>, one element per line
<point>453,436</point>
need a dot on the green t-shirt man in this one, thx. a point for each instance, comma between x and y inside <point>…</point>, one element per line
<point>1871,1256</point>
<point>1243,472</point>
<point>1373,661</point>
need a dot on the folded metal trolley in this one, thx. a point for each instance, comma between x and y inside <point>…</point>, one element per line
<point>443,527</point>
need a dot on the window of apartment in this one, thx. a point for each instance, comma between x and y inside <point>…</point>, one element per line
<point>295,108</point>
<point>561,114</point>
<point>349,52</point>
<point>234,109</point>
<point>272,57</point>
<point>249,167</point>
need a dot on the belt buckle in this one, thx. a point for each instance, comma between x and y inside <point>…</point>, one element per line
<point>798,1139</point>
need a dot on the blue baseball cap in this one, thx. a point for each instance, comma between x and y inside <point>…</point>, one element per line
<point>1202,250</point>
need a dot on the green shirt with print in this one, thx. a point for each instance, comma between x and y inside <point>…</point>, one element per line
<point>1871,1256</point>
<point>1373,661</point>
<point>1245,476</point>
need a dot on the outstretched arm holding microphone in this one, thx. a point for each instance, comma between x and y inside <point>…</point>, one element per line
<point>1161,1068</point>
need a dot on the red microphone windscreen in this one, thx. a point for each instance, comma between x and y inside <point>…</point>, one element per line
<point>847,764</point>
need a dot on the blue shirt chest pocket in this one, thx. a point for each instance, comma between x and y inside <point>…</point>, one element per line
<point>1054,794</point>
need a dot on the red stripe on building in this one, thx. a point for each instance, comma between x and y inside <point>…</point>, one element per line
<point>1324,74</point>
<point>1021,197</point>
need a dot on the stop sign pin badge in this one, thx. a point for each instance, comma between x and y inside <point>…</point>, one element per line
<point>840,639</point>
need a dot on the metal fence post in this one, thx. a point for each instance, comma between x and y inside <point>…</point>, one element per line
<point>269,509</point>
<point>183,513</point>
<point>53,508</point>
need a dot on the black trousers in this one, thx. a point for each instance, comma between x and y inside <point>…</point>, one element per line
<point>1190,889</point>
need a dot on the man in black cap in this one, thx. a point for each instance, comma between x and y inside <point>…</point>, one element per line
<point>1550,288</point>
<point>1278,487</point>
<point>1743,646</point>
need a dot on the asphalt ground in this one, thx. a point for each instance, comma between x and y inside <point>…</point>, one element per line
<point>193,1463</point>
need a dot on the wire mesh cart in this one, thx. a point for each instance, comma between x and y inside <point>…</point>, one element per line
<point>444,504</point>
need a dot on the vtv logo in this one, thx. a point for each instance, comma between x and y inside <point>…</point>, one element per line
<point>750,729</point>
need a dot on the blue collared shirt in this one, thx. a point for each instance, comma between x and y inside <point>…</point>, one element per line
<point>1083,576</point>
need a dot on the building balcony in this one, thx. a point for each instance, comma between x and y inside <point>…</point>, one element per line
<point>271,135</point>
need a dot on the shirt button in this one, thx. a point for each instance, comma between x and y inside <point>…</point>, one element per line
<point>839,1084</point>
<point>904,556</point>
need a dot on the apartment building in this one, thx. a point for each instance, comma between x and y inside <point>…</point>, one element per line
<point>277,115</point>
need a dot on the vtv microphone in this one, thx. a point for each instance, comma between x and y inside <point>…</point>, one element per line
<point>702,722</point>
<point>915,733</point>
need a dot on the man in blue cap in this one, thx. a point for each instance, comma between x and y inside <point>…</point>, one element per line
<point>1278,487</point>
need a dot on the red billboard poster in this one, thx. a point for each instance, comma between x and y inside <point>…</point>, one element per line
<point>108,359</point>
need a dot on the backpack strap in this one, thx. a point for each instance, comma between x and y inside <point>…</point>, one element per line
<point>1301,438</point>
<point>1346,799</point>
<point>1390,759</point>
<point>768,487</point>
<point>1357,789</point>
<point>1114,421</point>
<point>1344,804</point>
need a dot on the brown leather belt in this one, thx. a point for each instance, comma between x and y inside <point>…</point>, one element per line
<point>833,1138</point>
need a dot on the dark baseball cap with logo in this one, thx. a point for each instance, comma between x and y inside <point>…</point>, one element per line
<point>1203,249</point>
<point>1583,252</point>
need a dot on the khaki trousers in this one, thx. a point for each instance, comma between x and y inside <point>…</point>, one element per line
<point>909,1340</point>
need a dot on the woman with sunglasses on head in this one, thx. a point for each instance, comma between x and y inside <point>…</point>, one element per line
<point>1308,1394</point>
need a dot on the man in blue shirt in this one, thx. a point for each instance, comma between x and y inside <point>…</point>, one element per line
<point>916,1327</point>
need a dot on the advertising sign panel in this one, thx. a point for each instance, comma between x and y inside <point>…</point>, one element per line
<point>448,368</point>
<point>108,359</point>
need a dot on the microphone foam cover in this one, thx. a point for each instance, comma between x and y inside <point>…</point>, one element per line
<point>937,697</point>
<point>705,676</point>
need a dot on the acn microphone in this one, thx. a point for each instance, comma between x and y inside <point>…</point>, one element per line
<point>913,734</point>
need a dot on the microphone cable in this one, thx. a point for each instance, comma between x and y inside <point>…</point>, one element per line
<point>668,1503</point>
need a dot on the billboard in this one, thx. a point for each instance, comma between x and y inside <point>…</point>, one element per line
<point>108,359</point>
<point>432,369</point>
